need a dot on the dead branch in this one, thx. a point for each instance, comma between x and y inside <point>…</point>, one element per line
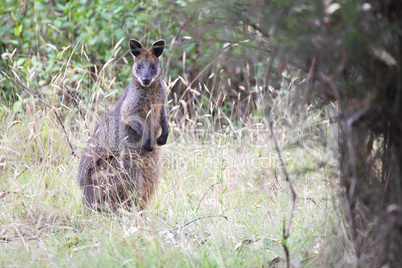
<point>285,244</point>
<point>77,105</point>
<point>285,172</point>
<point>172,46</point>
<point>64,76</point>
<point>50,107</point>
<point>10,239</point>
<point>200,218</point>
<point>282,162</point>
<point>212,186</point>
<point>22,172</point>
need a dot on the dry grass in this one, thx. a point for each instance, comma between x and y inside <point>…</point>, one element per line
<point>222,198</point>
<point>43,223</point>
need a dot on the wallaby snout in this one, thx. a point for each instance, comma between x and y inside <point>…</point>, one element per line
<point>146,81</point>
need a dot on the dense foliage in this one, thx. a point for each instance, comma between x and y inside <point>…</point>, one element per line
<point>231,63</point>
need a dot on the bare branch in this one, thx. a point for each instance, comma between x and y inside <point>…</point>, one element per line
<point>286,230</point>
<point>212,186</point>
<point>47,105</point>
<point>64,76</point>
<point>11,239</point>
<point>172,46</point>
<point>77,105</point>
<point>284,244</point>
<point>292,190</point>
<point>200,218</point>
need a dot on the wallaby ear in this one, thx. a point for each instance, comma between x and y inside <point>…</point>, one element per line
<point>158,47</point>
<point>136,47</point>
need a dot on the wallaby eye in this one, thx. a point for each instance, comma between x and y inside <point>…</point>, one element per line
<point>153,67</point>
<point>139,67</point>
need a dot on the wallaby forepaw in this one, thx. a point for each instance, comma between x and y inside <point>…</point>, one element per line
<point>148,146</point>
<point>161,140</point>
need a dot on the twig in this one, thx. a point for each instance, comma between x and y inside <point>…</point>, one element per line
<point>172,48</point>
<point>285,172</point>
<point>284,244</point>
<point>77,105</point>
<point>27,89</point>
<point>283,191</point>
<point>311,72</point>
<point>183,26</point>
<point>22,172</point>
<point>309,198</point>
<point>258,28</point>
<point>16,177</point>
<point>22,6</point>
<point>349,123</point>
<point>268,74</point>
<point>282,162</point>
<point>10,239</point>
<point>271,62</point>
<point>50,107</point>
<point>293,194</point>
<point>64,76</point>
<point>212,186</point>
<point>200,218</point>
<point>274,262</point>
<point>25,169</point>
<point>248,22</point>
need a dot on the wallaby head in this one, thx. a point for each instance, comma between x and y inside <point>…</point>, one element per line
<point>147,67</point>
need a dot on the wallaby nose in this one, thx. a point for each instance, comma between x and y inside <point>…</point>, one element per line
<point>146,81</point>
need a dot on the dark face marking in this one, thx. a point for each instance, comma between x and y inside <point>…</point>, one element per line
<point>146,65</point>
<point>146,70</point>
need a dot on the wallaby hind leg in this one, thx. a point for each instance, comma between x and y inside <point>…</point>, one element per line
<point>148,171</point>
<point>90,184</point>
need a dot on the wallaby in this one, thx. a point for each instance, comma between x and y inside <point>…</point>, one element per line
<point>120,164</point>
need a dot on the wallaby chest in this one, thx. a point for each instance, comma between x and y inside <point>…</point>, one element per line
<point>150,106</point>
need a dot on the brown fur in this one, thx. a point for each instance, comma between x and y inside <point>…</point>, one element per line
<point>120,164</point>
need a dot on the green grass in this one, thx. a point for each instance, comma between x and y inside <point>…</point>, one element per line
<point>240,185</point>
